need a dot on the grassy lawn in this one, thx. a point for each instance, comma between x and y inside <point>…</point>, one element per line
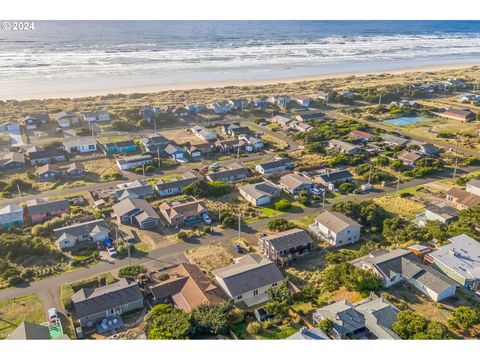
<point>305,221</point>
<point>278,144</point>
<point>13,312</point>
<point>277,333</point>
<point>109,139</point>
<point>240,330</point>
<point>395,204</point>
<point>209,257</point>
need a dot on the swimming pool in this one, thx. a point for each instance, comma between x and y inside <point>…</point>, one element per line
<point>406,120</point>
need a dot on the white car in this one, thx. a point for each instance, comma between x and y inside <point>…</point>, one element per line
<point>52,314</point>
<point>206,218</point>
<point>111,251</point>
<point>317,191</point>
<point>215,166</point>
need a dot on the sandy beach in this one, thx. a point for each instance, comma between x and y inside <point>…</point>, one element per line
<point>58,93</point>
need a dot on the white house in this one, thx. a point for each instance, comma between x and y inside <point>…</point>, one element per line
<point>260,193</point>
<point>221,107</point>
<point>336,228</point>
<point>80,145</point>
<point>131,162</point>
<point>94,116</point>
<point>473,187</point>
<point>249,279</point>
<point>303,101</point>
<point>196,108</point>
<point>90,232</point>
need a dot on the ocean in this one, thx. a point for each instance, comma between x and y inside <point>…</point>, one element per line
<point>103,55</point>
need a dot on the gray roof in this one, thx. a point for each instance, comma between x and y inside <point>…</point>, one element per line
<point>175,183</point>
<point>12,157</point>
<point>264,188</point>
<point>172,149</point>
<point>462,256</point>
<point>48,206</point>
<point>79,141</point>
<point>342,145</point>
<point>443,209</point>
<point>335,176</point>
<point>288,239</point>
<point>219,175</point>
<point>335,221</point>
<point>397,140</point>
<point>90,301</point>
<point>308,334</point>
<point>344,316</point>
<point>81,229</point>
<point>295,180</point>
<point>474,182</point>
<point>127,205</point>
<point>45,153</point>
<point>30,331</point>
<point>137,188</point>
<point>275,163</point>
<point>249,273</point>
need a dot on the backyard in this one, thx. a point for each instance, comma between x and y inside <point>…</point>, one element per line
<point>14,311</point>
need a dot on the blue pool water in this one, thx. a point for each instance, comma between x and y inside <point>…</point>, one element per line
<point>406,120</point>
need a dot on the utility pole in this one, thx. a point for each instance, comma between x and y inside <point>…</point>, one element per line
<point>398,181</point>
<point>19,193</point>
<point>370,174</point>
<point>158,157</point>
<point>455,168</point>
<point>143,167</point>
<point>239,225</point>
<point>155,124</point>
<point>380,99</point>
<point>323,200</point>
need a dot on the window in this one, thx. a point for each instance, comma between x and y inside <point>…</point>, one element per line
<point>239,297</point>
<point>274,284</point>
<point>255,292</point>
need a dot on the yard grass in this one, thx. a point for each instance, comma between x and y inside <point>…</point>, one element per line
<point>209,257</point>
<point>109,139</point>
<point>14,311</point>
<point>100,167</point>
<point>395,204</point>
<point>305,221</point>
<point>277,143</point>
<point>277,333</point>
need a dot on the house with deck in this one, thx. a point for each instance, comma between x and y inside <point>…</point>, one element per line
<point>248,280</point>
<point>295,182</point>
<point>136,212</point>
<point>286,246</point>
<point>336,228</point>
<point>32,121</point>
<point>83,234</point>
<point>188,213</point>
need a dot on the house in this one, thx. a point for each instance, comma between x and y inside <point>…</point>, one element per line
<point>203,133</point>
<point>405,104</point>
<point>196,108</point>
<point>73,170</point>
<point>238,104</point>
<point>47,172</point>
<point>11,215</point>
<point>260,193</point>
<point>344,147</point>
<point>80,145</point>
<point>135,189</point>
<point>310,116</point>
<point>65,119</point>
<point>462,199</point>
<point>274,166</point>
<point>175,152</point>
<point>336,228</point>
<point>285,246</point>
<point>197,150</point>
<point>10,127</point>
<point>428,149</point>
<point>402,265</point>
<point>116,147</point>
<point>234,172</point>
<point>248,279</point>
<point>308,334</point>
<point>187,213</point>
<point>260,103</point>
<point>136,211</point>
<point>281,120</point>
<point>473,187</point>
<point>280,101</point>
<point>438,211</point>
<point>229,145</point>
<point>457,83</point>
<point>393,140</point>
<point>332,177</point>
<point>155,144</point>
<point>92,305</point>
<point>148,111</point>
<point>466,98</point>
<point>32,121</point>
<point>53,171</point>
<point>361,135</point>
<point>46,156</point>
<point>88,233</point>
<point>252,143</point>
<point>131,162</point>
<point>299,126</point>
<point>180,111</point>
<point>175,187</point>
<point>370,318</point>
<point>186,288</point>
<point>40,209</point>
<point>294,183</point>
<point>458,114</point>
<point>12,161</point>
<point>459,260</point>
<point>325,96</point>
<point>303,101</point>
<point>30,331</point>
<point>221,107</point>
<point>409,158</point>
<point>96,116</point>
<point>235,129</point>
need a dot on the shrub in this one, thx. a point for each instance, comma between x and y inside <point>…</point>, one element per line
<point>166,322</point>
<point>465,317</point>
<point>132,271</point>
<point>163,276</point>
<point>202,188</point>
<point>149,168</point>
<point>254,328</point>
<point>280,225</point>
<point>15,281</point>
<point>347,187</point>
<point>138,170</point>
<point>325,325</point>
<point>282,205</point>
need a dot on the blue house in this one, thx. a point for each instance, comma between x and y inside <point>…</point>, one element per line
<point>274,166</point>
<point>120,147</point>
<point>175,152</point>
<point>11,215</point>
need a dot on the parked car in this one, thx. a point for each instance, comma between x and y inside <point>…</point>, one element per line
<point>52,314</point>
<point>206,218</point>
<point>111,251</point>
<point>215,166</point>
<point>317,191</point>
<point>367,187</point>
<point>238,248</point>
<point>357,191</point>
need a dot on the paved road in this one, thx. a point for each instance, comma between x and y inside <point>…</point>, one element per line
<point>168,254</point>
